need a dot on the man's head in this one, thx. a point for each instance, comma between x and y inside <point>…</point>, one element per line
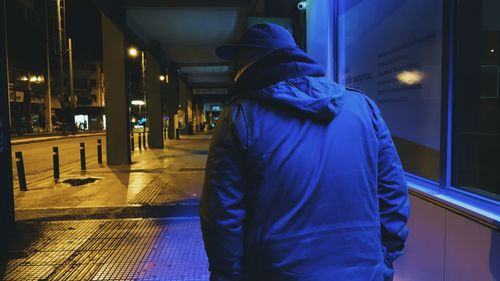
<point>257,41</point>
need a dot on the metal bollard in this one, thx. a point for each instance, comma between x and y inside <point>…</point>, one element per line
<point>20,171</point>
<point>55,161</point>
<point>82,156</point>
<point>132,145</point>
<point>139,140</point>
<point>144,139</point>
<point>99,151</point>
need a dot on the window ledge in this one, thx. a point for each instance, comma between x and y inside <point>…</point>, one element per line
<point>481,210</point>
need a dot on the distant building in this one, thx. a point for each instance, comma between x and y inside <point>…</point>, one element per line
<point>89,89</point>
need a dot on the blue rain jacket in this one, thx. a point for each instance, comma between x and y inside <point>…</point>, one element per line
<point>303,181</point>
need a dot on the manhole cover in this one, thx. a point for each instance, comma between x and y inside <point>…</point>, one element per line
<point>78,182</point>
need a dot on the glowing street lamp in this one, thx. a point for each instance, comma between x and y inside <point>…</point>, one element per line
<point>133,52</point>
<point>164,78</point>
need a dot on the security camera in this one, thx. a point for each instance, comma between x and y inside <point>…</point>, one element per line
<point>302,5</point>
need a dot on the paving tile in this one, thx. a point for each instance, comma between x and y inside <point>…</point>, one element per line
<point>126,249</point>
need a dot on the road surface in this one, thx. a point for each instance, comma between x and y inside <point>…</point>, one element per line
<point>38,157</point>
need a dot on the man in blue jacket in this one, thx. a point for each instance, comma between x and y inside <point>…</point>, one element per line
<point>303,181</point>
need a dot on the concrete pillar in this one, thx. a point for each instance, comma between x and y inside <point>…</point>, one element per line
<point>154,102</point>
<point>184,95</point>
<point>6,194</point>
<point>172,99</point>
<point>117,103</point>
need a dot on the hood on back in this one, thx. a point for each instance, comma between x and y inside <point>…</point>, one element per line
<point>289,78</point>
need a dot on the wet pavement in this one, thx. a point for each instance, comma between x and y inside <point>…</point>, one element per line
<point>156,181</point>
<point>119,249</point>
<point>136,222</point>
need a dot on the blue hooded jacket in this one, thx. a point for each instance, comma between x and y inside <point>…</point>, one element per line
<point>303,181</point>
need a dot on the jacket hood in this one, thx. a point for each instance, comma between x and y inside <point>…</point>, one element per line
<point>290,79</point>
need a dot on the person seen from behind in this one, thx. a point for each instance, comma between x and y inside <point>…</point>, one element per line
<point>303,181</point>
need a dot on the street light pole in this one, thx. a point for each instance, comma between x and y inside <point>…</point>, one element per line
<point>72,97</point>
<point>48,97</point>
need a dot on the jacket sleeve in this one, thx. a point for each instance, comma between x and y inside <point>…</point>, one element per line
<point>392,192</point>
<point>222,211</point>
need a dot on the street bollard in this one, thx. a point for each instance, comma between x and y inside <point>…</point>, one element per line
<point>144,139</point>
<point>55,161</point>
<point>82,156</point>
<point>178,133</point>
<point>139,140</point>
<point>132,142</point>
<point>20,171</point>
<point>99,151</point>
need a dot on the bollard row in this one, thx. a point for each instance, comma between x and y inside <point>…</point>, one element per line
<point>55,163</point>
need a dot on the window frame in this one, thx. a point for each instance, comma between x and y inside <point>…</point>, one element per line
<point>479,208</point>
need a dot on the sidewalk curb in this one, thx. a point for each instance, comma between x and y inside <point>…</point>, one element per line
<point>44,139</point>
<point>172,210</point>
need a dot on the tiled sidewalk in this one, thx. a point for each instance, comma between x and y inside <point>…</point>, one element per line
<point>147,226</point>
<point>125,249</point>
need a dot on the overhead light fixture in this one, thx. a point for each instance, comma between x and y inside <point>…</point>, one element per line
<point>133,52</point>
<point>492,50</point>
<point>302,5</point>
<point>137,102</point>
<point>164,78</point>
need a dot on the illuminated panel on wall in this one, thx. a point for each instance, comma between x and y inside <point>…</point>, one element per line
<point>392,51</point>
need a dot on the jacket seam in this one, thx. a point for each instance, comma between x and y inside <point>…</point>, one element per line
<point>245,123</point>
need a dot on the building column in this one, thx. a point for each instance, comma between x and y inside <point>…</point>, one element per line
<point>117,103</point>
<point>154,104</point>
<point>172,99</point>
<point>184,102</point>
<point>6,193</point>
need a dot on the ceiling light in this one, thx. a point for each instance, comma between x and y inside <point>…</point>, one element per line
<point>133,52</point>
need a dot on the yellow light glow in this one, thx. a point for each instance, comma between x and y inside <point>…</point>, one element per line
<point>133,52</point>
<point>137,102</point>
<point>24,78</point>
<point>162,78</point>
<point>33,79</point>
<point>410,77</point>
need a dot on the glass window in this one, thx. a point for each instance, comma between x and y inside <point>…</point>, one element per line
<point>392,51</point>
<point>476,103</point>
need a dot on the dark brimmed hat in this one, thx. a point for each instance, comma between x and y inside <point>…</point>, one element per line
<point>265,36</point>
